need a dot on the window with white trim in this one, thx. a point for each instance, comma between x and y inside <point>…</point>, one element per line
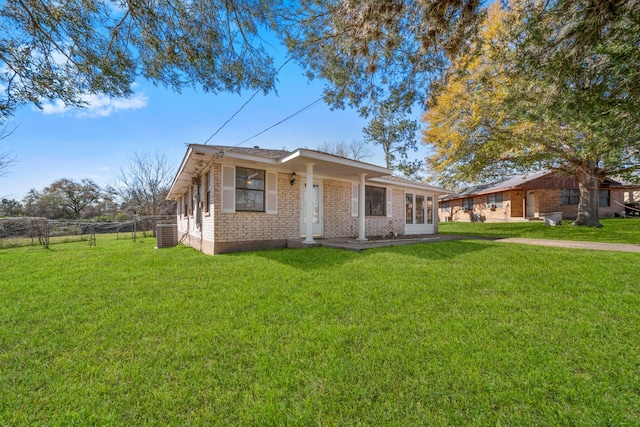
<point>495,199</point>
<point>249,190</point>
<point>374,200</point>
<point>467,204</point>
<point>207,192</point>
<point>569,197</point>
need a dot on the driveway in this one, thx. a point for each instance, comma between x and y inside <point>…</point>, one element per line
<point>354,245</point>
<point>596,246</point>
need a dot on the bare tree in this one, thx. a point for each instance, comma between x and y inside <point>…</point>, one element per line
<point>143,183</point>
<point>356,150</point>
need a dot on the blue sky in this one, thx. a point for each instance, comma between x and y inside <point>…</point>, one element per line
<point>94,143</point>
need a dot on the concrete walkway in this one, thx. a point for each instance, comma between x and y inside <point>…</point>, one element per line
<point>354,245</point>
<point>596,246</point>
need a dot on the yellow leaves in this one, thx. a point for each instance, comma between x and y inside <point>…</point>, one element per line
<point>494,28</point>
<point>467,122</point>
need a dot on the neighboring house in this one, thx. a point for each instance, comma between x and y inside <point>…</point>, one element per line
<point>234,199</point>
<point>524,197</point>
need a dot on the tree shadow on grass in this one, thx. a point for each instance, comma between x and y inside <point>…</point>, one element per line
<point>327,258</point>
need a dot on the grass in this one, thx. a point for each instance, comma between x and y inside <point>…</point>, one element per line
<point>614,230</point>
<point>451,333</point>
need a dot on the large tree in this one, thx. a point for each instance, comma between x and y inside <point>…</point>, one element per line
<point>62,50</point>
<point>578,64</point>
<point>396,135</point>
<point>11,207</point>
<point>371,50</point>
<point>500,112</point>
<point>79,195</point>
<point>64,198</point>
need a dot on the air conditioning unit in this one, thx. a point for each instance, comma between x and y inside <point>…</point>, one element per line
<point>167,235</point>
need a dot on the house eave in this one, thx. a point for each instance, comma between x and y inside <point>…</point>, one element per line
<point>200,157</point>
<point>416,186</point>
<point>310,156</point>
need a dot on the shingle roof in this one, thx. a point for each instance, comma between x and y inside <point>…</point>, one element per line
<point>499,185</point>
<point>254,151</point>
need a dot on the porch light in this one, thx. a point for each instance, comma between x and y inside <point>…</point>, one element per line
<point>293,178</point>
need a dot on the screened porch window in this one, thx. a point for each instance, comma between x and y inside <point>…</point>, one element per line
<point>419,209</point>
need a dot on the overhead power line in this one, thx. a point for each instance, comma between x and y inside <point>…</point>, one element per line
<point>282,121</point>
<point>244,105</point>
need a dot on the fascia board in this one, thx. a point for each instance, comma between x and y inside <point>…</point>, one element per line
<point>433,189</point>
<point>180,171</point>
<point>314,155</point>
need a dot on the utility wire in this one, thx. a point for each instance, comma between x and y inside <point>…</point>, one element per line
<point>244,105</point>
<point>282,121</point>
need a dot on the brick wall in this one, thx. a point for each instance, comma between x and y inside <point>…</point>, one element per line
<point>338,221</point>
<point>242,226</point>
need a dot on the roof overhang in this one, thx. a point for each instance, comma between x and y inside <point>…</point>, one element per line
<point>199,158</point>
<point>411,185</point>
<point>327,165</point>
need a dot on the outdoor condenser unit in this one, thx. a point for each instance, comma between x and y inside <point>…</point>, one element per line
<point>167,235</point>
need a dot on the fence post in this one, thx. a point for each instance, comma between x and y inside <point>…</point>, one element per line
<point>46,234</point>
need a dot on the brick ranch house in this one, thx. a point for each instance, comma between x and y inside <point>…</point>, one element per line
<point>521,198</point>
<point>235,199</point>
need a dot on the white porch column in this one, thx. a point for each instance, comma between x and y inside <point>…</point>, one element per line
<point>309,205</point>
<point>361,207</point>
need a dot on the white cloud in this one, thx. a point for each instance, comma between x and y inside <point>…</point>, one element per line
<point>56,107</point>
<point>98,105</point>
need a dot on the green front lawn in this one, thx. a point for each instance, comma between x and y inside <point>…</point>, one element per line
<point>451,333</point>
<point>614,230</point>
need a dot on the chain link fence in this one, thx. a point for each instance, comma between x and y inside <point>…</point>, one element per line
<point>25,231</point>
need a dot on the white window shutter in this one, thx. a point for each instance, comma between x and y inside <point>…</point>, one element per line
<point>228,188</point>
<point>271,205</point>
<point>354,199</point>
<point>389,203</point>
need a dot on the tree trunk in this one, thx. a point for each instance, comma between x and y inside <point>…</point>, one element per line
<point>589,187</point>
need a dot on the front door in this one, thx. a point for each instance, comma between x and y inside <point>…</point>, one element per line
<point>317,210</point>
<point>531,203</point>
<point>419,214</point>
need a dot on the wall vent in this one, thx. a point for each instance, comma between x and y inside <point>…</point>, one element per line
<point>167,235</point>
